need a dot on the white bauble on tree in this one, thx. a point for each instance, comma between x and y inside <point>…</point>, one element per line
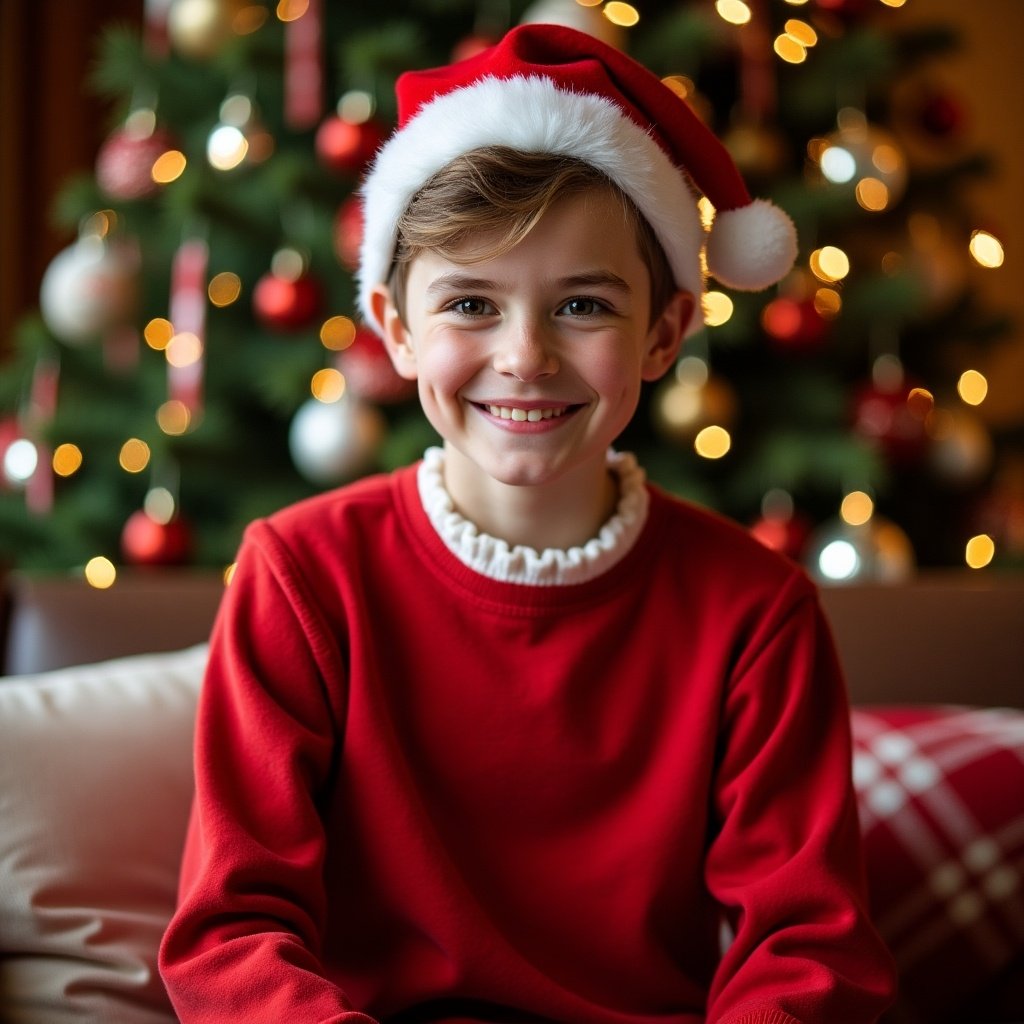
<point>88,289</point>
<point>573,15</point>
<point>331,442</point>
<point>877,551</point>
<point>199,28</point>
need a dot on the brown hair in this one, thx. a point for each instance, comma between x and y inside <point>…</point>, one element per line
<point>494,197</point>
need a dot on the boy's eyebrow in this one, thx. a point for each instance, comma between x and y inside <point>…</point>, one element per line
<point>466,282</point>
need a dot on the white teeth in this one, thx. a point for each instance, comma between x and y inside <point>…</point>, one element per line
<point>506,412</point>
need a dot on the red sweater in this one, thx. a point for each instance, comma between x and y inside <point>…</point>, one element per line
<point>426,795</point>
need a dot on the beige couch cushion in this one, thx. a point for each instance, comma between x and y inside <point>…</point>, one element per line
<point>95,788</point>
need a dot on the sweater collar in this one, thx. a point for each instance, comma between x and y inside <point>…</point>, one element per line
<point>497,560</point>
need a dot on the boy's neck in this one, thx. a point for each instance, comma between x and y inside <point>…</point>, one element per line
<point>562,514</point>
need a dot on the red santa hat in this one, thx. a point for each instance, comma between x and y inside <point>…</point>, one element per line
<point>551,89</point>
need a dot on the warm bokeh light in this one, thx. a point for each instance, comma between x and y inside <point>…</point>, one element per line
<point>224,288</point>
<point>712,442</point>
<point>173,417</point>
<point>291,10</point>
<point>717,308</point>
<point>682,86</point>
<point>134,455</point>
<point>327,385</point>
<point>871,194</point>
<point>158,333</point>
<point>920,403</point>
<point>980,551</point>
<point>801,32</point>
<point>829,264</point>
<point>184,349</point>
<point>622,14</point>
<point>67,459</point>
<point>101,224</point>
<point>248,19</point>
<point>100,572</point>
<point>707,212</point>
<point>838,165</point>
<point>972,387</point>
<point>828,303</point>
<point>168,167</point>
<point>337,333</point>
<point>857,508</point>
<point>229,573</point>
<point>226,148</point>
<point>987,250</point>
<point>736,12</point>
<point>791,50</point>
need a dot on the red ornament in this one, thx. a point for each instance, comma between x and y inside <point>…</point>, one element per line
<point>795,325</point>
<point>894,418</point>
<point>146,541</point>
<point>287,304</point>
<point>125,161</point>
<point>348,232</point>
<point>369,372</point>
<point>785,534</point>
<point>346,147</point>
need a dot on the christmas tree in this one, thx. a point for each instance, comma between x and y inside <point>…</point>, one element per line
<point>197,360</point>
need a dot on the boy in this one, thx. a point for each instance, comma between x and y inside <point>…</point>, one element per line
<point>509,735</point>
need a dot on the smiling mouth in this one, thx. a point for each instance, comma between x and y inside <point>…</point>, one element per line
<point>520,415</point>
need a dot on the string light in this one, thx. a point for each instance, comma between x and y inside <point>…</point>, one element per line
<point>735,12</point>
<point>100,572</point>
<point>327,385</point>
<point>828,303</point>
<point>173,417</point>
<point>986,249</point>
<point>717,307</point>
<point>801,32</point>
<point>168,167</point>
<point>249,19</point>
<point>67,459</point>
<point>829,264</point>
<point>337,333</point>
<point>972,387</point>
<point>712,442</point>
<point>839,560</point>
<point>857,508</point>
<point>621,14</point>
<point>871,194</point>
<point>134,455</point>
<point>20,461</point>
<point>980,551</point>
<point>184,349</point>
<point>158,333</point>
<point>226,147</point>
<point>159,505</point>
<point>791,50</point>
<point>224,288</point>
<point>291,10</point>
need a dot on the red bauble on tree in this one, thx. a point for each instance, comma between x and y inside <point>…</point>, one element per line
<point>347,147</point>
<point>124,164</point>
<point>147,541</point>
<point>369,372</point>
<point>348,233</point>
<point>288,297</point>
<point>794,325</point>
<point>892,414</point>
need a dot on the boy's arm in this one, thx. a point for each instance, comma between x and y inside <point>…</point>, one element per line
<point>785,861</point>
<point>244,943</point>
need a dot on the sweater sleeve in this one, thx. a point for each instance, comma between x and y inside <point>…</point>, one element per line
<point>244,943</point>
<point>785,859</point>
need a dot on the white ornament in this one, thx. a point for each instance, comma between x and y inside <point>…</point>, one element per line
<point>89,288</point>
<point>570,14</point>
<point>877,551</point>
<point>331,442</point>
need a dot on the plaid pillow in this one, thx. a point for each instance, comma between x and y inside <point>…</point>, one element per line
<point>941,800</point>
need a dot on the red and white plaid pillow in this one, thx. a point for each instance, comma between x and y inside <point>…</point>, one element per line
<point>941,800</point>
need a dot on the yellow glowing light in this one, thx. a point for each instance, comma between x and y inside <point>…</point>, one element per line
<point>229,573</point>
<point>707,212</point>
<point>828,303</point>
<point>801,32</point>
<point>736,12</point>
<point>857,508</point>
<point>796,3</point>
<point>291,10</point>
<point>872,194</point>
<point>134,457</point>
<point>158,333</point>
<point>972,387</point>
<point>829,264</point>
<point>101,224</point>
<point>224,288</point>
<point>791,50</point>
<point>184,349</point>
<point>337,333</point>
<point>980,551</point>
<point>248,19</point>
<point>717,307</point>
<point>327,385</point>
<point>920,403</point>
<point>67,459</point>
<point>589,3</point>
<point>888,3</point>
<point>622,14</point>
<point>173,417</point>
<point>168,166</point>
<point>886,158</point>
<point>682,86</point>
<point>987,250</point>
<point>100,572</point>
<point>712,442</point>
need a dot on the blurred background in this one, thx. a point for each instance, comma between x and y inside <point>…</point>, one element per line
<point>179,348</point>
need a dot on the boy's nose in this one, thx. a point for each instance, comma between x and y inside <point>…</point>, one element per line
<point>525,352</point>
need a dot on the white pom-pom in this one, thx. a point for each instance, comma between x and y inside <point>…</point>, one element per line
<point>751,247</point>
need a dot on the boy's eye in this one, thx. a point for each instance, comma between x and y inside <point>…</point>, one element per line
<point>581,307</point>
<point>471,307</point>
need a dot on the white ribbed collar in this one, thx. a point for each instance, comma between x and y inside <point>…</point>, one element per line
<point>496,559</point>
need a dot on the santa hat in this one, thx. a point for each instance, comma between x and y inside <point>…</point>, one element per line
<point>551,89</point>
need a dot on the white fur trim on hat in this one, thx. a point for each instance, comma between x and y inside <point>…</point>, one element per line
<point>533,115</point>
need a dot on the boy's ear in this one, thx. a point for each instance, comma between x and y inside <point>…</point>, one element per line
<point>396,336</point>
<point>666,335</point>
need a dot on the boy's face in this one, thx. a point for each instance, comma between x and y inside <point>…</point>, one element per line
<point>529,365</point>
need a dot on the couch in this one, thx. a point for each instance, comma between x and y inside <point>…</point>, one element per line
<point>95,779</point>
